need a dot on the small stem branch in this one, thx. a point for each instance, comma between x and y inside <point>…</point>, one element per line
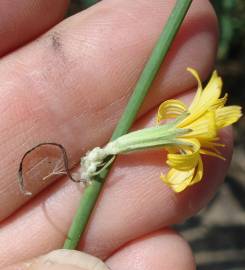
<point>91,193</point>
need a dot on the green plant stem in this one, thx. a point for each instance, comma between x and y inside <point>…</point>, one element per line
<point>89,3</point>
<point>92,191</point>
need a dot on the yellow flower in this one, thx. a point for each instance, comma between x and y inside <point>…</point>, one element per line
<point>207,114</point>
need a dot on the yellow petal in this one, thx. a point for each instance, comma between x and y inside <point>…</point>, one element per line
<point>211,153</point>
<point>199,89</point>
<point>170,109</point>
<point>187,160</point>
<point>203,128</point>
<point>209,97</point>
<point>227,115</point>
<point>178,180</point>
<point>220,102</point>
<point>198,173</point>
<point>212,146</point>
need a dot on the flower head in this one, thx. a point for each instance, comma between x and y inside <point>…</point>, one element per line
<point>207,114</point>
<point>194,132</point>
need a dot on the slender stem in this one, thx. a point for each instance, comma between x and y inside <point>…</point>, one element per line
<point>91,193</point>
<point>89,3</point>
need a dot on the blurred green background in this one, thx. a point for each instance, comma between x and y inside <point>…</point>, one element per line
<point>231,52</point>
<point>217,233</point>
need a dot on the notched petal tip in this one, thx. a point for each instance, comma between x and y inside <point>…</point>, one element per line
<point>227,116</point>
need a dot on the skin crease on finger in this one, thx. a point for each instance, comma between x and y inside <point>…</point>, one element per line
<point>45,98</point>
<point>22,21</point>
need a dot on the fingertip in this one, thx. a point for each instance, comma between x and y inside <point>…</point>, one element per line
<point>62,260</point>
<point>161,250</point>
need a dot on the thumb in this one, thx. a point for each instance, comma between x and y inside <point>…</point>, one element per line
<point>62,260</point>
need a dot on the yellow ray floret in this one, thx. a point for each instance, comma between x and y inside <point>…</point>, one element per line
<point>206,115</point>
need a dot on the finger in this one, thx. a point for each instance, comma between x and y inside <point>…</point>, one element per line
<point>134,203</point>
<point>161,250</point>
<point>158,251</point>
<point>79,80</point>
<point>22,21</point>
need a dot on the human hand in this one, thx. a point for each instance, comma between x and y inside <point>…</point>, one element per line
<point>70,86</point>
